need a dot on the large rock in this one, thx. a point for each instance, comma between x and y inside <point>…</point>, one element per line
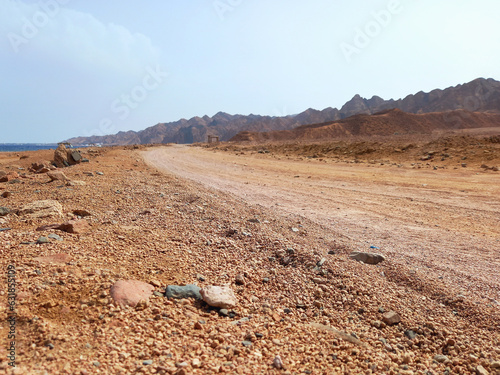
<point>130,292</point>
<point>41,209</point>
<point>61,157</point>
<point>219,296</point>
<point>368,258</point>
<point>75,226</point>
<point>186,291</point>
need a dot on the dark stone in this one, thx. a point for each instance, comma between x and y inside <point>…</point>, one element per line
<point>187,291</point>
<point>4,211</point>
<point>76,156</point>
<point>410,334</point>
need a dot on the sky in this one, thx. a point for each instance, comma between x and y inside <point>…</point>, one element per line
<point>85,67</point>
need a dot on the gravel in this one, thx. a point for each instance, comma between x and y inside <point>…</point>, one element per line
<point>289,324</point>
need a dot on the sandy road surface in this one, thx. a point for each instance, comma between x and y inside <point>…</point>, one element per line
<point>444,223</point>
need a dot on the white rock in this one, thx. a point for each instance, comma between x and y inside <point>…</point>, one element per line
<point>219,296</point>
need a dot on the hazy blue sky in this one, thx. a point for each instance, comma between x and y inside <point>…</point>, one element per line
<point>82,67</point>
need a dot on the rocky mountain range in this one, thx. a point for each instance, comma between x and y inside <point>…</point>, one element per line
<point>384,123</point>
<point>479,95</point>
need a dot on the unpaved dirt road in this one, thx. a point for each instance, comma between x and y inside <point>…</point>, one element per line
<point>445,223</point>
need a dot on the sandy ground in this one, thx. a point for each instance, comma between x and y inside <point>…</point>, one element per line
<point>444,222</point>
<point>279,233</point>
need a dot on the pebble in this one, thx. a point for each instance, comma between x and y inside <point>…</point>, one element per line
<point>440,358</point>
<point>4,211</point>
<point>42,240</point>
<point>246,343</point>
<point>391,317</point>
<point>147,362</point>
<point>410,334</point>
<point>240,279</point>
<point>277,362</point>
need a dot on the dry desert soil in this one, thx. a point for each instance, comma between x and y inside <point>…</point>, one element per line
<point>277,224</point>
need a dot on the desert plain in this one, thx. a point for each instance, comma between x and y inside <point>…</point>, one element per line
<point>277,224</point>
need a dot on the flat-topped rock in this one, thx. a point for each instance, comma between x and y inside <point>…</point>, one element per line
<point>41,209</point>
<point>130,292</point>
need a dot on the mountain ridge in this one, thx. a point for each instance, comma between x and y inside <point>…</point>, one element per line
<point>479,95</point>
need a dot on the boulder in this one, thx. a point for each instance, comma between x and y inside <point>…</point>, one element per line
<point>179,292</point>
<point>368,258</point>
<point>219,296</point>
<point>61,156</point>
<point>57,176</point>
<point>130,292</point>
<point>41,209</point>
<point>75,226</point>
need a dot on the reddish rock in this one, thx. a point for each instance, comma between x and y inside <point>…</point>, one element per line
<point>6,177</point>
<point>61,258</point>
<point>130,292</point>
<point>391,317</point>
<point>57,176</point>
<point>40,166</point>
<point>75,226</point>
<point>6,194</point>
<point>48,227</point>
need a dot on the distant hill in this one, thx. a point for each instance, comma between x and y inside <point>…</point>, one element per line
<point>480,95</point>
<point>388,122</point>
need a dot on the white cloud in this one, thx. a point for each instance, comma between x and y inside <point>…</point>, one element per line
<point>51,29</point>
